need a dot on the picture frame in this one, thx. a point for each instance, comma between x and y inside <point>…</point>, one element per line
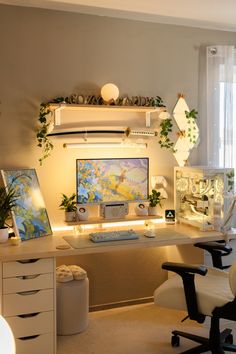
<point>30,217</point>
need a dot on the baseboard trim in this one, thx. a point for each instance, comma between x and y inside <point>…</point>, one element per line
<point>112,305</point>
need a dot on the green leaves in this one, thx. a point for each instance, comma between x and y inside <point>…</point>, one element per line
<point>166,128</point>
<point>41,135</point>
<point>68,203</point>
<point>154,198</point>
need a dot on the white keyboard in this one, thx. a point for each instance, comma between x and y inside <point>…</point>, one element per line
<point>113,236</point>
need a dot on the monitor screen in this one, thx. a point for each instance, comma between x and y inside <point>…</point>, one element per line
<point>112,180</point>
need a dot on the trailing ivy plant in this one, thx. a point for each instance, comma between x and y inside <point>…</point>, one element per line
<point>191,133</point>
<point>166,128</point>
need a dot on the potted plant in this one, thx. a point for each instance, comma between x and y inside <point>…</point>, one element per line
<point>8,197</point>
<point>68,204</point>
<point>154,200</point>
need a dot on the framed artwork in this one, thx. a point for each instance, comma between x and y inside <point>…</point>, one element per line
<point>30,218</point>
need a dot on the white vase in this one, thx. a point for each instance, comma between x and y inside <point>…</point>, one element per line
<point>153,210</point>
<point>69,216</point>
<point>3,235</point>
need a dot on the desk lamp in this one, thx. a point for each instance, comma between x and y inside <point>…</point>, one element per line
<point>7,342</point>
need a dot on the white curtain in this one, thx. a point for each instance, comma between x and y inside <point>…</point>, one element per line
<point>221,106</point>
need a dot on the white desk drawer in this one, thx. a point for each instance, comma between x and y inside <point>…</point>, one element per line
<point>28,282</point>
<point>42,344</point>
<point>38,323</point>
<point>27,267</point>
<point>27,302</point>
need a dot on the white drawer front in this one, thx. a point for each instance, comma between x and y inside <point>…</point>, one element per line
<point>39,323</point>
<point>42,344</point>
<point>23,303</point>
<point>28,282</point>
<point>27,267</point>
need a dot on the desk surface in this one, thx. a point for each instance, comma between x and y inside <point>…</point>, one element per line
<point>166,235</point>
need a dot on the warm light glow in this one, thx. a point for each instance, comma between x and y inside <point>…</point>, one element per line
<point>105,145</point>
<point>7,342</point>
<point>109,92</point>
<point>62,228</point>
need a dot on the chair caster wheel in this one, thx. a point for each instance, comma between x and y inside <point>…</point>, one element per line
<point>229,339</point>
<point>175,341</point>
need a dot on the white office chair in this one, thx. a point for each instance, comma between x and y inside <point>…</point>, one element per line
<point>202,292</point>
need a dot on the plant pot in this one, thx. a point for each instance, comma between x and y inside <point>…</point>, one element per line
<point>153,210</point>
<point>3,234</point>
<point>69,216</point>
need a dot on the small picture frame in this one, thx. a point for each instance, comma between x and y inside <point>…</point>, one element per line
<point>170,216</point>
<point>30,218</point>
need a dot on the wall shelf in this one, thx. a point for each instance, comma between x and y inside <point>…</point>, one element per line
<point>63,107</point>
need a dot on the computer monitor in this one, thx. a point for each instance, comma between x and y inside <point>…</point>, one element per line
<point>112,180</point>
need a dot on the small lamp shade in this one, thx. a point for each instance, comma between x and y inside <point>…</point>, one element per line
<point>7,342</point>
<point>109,92</point>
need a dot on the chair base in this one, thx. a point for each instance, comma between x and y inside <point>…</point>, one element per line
<point>206,344</point>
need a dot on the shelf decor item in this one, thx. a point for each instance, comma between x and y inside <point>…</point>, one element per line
<point>154,200</point>
<point>29,215</point>
<point>68,204</point>
<point>188,135</point>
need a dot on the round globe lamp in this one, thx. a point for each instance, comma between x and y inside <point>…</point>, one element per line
<point>7,342</point>
<point>109,92</point>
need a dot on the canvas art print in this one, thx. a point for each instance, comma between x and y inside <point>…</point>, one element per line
<point>30,216</point>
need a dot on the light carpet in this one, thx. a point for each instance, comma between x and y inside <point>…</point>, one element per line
<point>138,329</point>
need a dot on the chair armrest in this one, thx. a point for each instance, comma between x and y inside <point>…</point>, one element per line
<point>217,251</point>
<point>184,268</point>
<point>209,246</point>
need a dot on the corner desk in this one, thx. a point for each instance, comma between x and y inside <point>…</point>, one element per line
<point>28,280</point>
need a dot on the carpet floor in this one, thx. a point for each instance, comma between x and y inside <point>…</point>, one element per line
<point>138,329</point>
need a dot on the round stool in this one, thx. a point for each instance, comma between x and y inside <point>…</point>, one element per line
<point>72,306</point>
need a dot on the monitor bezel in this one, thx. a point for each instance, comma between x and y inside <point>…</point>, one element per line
<point>113,158</point>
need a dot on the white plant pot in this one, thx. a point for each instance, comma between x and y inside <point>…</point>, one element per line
<point>153,210</point>
<point>3,235</point>
<point>69,216</point>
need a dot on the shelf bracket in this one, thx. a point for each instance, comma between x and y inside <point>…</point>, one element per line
<point>57,116</point>
<point>148,119</point>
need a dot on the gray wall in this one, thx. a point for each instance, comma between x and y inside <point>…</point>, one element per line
<point>45,54</point>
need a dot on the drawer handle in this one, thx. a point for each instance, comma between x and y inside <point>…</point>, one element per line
<point>31,292</point>
<point>23,261</point>
<point>29,337</point>
<point>25,277</point>
<point>27,315</point>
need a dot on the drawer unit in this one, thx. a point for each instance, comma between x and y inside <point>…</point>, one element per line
<point>28,304</point>
<point>27,267</point>
<point>35,344</point>
<point>27,282</point>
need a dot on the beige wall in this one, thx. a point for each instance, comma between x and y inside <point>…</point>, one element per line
<point>45,54</point>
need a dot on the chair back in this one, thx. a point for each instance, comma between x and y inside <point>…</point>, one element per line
<point>232,278</point>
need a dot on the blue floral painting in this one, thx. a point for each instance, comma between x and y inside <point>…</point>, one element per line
<point>30,216</point>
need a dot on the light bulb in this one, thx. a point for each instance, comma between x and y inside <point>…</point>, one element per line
<point>109,92</point>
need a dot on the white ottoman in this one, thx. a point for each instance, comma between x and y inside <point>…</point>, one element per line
<point>72,306</point>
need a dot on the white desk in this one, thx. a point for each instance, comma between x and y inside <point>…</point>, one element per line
<point>31,287</point>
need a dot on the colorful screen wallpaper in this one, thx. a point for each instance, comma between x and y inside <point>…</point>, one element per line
<point>110,180</point>
<point>30,215</point>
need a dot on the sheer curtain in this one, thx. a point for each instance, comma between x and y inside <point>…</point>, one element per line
<point>221,106</point>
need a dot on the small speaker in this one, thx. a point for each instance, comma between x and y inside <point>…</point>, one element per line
<point>141,210</point>
<point>82,213</point>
